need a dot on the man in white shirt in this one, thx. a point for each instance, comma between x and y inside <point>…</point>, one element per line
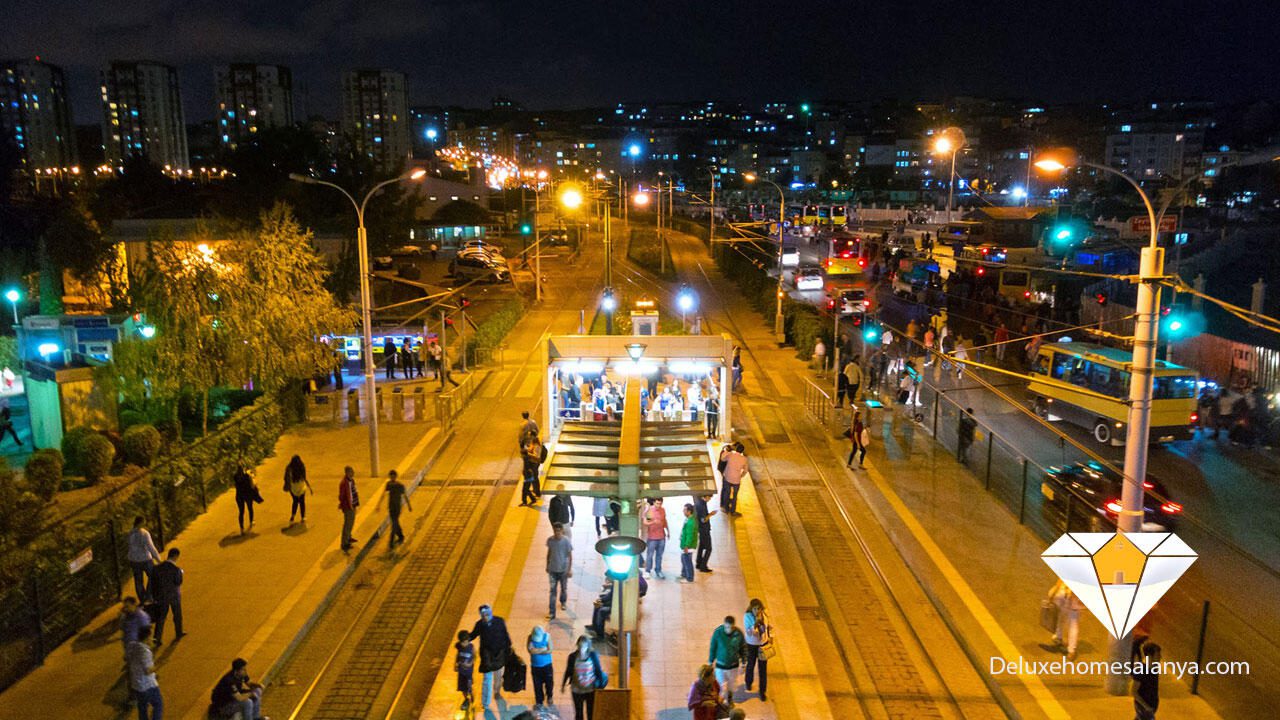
<point>735,467</point>
<point>142,555</point>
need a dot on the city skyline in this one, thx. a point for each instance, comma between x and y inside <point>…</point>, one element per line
<point>815,52</point>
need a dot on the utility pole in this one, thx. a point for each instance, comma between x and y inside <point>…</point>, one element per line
<point>711,231</point>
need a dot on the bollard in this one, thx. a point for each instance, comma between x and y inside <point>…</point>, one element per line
<point>419,404</point>
<point>397,405</point>
<point>377,393</point>
<point>335,406</point>
<point>353,405</point>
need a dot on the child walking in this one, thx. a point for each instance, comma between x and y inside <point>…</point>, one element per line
<point>465,666</point>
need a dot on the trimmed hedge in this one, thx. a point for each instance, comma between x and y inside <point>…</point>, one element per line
<point>44,473</point>
<point>99,454</point>
<point>73,449</point>
<point>490,332</point>
<point>140,445</point>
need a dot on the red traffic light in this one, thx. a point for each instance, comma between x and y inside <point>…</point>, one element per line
<point>1026,294</point>
<point>1101,298</point>
<point>448,322</point>
<point>862,262</point>
<point>981,271</point>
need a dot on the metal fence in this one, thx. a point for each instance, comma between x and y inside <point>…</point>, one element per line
<point>55,585</point>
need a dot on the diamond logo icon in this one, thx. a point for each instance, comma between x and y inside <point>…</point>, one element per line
<point>1119,576</point>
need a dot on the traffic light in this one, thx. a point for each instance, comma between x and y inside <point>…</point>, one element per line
<point>526,228</point>
<point>448,322</point>
<point>1100,298</point>
<point>463,301</point>
<point>1178,323</point>
<point>871,332</point>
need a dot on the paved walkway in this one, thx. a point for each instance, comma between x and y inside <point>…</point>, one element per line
<point>243,596</point>
<point>676,619</point>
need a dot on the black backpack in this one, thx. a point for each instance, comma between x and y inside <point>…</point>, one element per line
<point>513,674</point>
<point>542,453</point>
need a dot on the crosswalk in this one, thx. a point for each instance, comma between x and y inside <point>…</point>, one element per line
<point>500,383</point>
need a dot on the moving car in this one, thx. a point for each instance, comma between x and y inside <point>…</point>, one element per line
<point>479,267</point>
<point>1085,497</point>
<point>407,250</point>
<point>790,256</point>
<point>809,278</point>
<point>557,238</point>
<point>849,301</point>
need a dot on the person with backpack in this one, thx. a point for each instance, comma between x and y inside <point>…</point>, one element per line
<point>583,676</point>
<point>495,646</point>
<point>296,484</point>
<point>728,647</point>
<point>560,512</point>
<point>534,454</point>
<point>544,677</point>
<point>860,437</point>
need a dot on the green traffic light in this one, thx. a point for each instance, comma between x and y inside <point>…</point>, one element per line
<point>526,229</point>
<point>871,334</point>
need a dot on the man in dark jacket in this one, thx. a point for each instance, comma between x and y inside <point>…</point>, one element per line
<point>389,357</point>
<point>964,434</point>
<point>166,588</point>
<point>495,644</point>
<point>560,510</point>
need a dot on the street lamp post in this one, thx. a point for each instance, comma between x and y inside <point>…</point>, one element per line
<point>950,140</point>
<point>13,296</point>
<point>779,331</point>
<point>366,299</point>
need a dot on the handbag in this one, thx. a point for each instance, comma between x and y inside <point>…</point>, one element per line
<point>257,495</point>
<point>1049,615</point>
<point>602,677</point>
<point>864,438</point>
<point>768,649</point>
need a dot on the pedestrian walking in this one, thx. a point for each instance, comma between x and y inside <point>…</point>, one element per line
<point>704,695</point>
<point>758,635</point>
<point>434,249</point>
<point>726,653</point>
<point>713,413</point>
<point>395,494</point>
<point>339,362</point>
<point>6,422</point>
<point>1002,341</point>
<point>735,466</point>
<point>495,645</point>
<point>544,677</point>
<point>1146,683</point>
<point>560,510</point>
<point>1067,632</point>
<point>246,495</point>
<point>297,485</point>
<point>464,665</point>
<point>424,358</point>
<point>528,430</point>
<point>819,360</point>
<point>559,568</point>
<point>132,620</point>
<point>965,430</point>
<point>348,501</point>
<point>656,533</point>
<point>235,694</point>
<point>859,437</point>
<point>704,515</point>
<point>142,677</point>
<point>853,380</point>
<point>142,555</point>
<point>583,675</point>
<point>600,511</point>
<point>166,588</point>
<point>534,454</point>
<point>688,542</point>
<point>389,357</point>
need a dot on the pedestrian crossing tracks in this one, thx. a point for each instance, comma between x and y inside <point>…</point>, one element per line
<point>527,382</point>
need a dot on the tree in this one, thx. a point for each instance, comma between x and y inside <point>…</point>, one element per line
<point>280,308</point>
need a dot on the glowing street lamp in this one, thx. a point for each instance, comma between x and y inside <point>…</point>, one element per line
<point>640,199</point>
<point>686,300</point>
<point>950,141</point>
<point>620,553</point>
<point>779,332</point>
<point>571,198</point>
<point>13,296</point>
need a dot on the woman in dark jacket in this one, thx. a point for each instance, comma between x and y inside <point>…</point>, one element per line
<point>246,493</point>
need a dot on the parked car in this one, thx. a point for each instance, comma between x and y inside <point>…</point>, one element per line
<point>407,250</point>
<point>383,262</point>
<point>848,301</point>
<point>809,278</point>
<point>1085,497</point>
<point>479,267</point>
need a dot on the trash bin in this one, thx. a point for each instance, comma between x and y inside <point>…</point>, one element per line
<point>419,404</point>
<point>353,405</point>
<point>397,405</point>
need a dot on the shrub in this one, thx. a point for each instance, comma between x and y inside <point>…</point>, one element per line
<point>73,449</point>
<point>99,453</point>
<point>21,512</point>
<point>140,445</point>
<point>493,329</point>
<point>44,473</point>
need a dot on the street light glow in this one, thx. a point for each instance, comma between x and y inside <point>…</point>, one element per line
<point>749,177</point>
<point>942,145</point>
<point>640,199</point>
<point>12,295</point>
<point>571,198</point>
<point>417,174</point>
<point>1050,165</point>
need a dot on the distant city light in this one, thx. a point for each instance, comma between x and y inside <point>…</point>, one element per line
<point>432,134</point>
<point>1019,193</point>
<point>634,150</point>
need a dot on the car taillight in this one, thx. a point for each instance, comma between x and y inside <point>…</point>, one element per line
<point>866,303</point>
<point>1114,506</point>
<point>1171,508</point>
<point>1195,417</point>
<point>1146,485</point>
<point>862,262</point>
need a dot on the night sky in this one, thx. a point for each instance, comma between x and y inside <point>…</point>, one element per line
<point>574,53</point>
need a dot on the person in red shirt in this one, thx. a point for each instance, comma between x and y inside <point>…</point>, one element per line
<point>1002,341</point>
<point>656,532</point>
<point>348,501</point>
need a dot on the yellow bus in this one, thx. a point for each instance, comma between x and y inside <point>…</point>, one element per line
<point>1103,372</point>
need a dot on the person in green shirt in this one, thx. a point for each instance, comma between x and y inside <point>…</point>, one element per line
<point>688,543</point>
<point>727,649</point>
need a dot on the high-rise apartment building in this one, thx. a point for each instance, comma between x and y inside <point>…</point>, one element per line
<point>250,98</point>
<point>375,115</point>
<point>142,115</point>
<point>35,116</point>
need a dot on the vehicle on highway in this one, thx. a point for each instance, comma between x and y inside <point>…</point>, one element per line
<point>849,301</point>
<point>809,278</point>
<point>407,250</point>
<point>844,254</point>
<point>790,256</point>
<point>1085,497</point>
<point>477,266</point>
<point>1088,385</point>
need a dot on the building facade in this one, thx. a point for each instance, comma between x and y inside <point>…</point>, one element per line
<point>36,117</point>
<point>250,98</point>
<point>375,116</point>
<point>142,115</point>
